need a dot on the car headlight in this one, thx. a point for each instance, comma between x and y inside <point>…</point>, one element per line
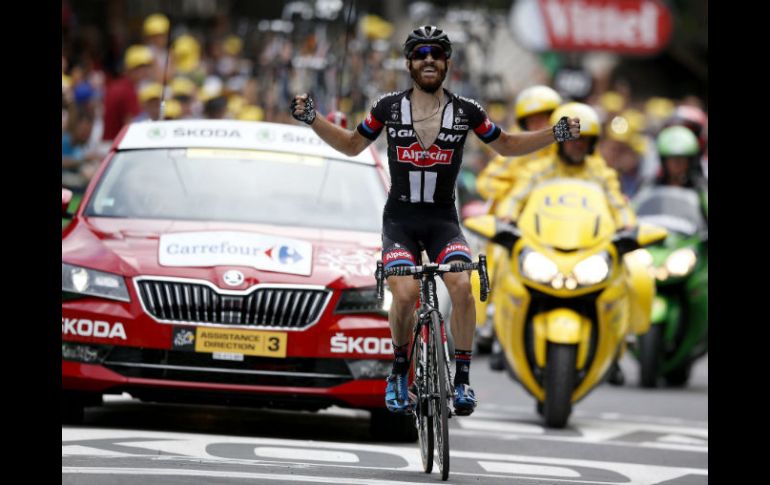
<point>681,262</point>
<point>364,300</point>
<point>592,270</point>
<point>76,280</point>
<point>536,266</point>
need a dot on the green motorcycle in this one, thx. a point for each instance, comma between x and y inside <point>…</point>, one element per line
<point>678,333</point>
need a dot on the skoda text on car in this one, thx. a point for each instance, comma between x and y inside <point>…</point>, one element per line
<point>228,262</point>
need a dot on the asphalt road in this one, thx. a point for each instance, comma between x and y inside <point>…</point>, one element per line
<point>617,435</point>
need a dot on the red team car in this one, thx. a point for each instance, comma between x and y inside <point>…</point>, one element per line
<point>230,263</point>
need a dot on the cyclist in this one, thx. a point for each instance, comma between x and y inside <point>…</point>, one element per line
<point>426,128</point>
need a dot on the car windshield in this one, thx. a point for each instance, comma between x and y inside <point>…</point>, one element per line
<point>240,186</point>
<point>675,208</point>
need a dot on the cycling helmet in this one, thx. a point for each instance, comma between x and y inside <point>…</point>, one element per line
<point>427,34</point>
<point>535,99</point>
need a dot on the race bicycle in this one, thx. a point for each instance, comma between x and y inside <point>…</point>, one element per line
<point>430,357</point>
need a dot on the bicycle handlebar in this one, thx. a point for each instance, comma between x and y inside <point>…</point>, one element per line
<point>481,266</point>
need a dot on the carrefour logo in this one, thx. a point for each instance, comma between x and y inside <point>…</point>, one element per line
<point>156,133</point>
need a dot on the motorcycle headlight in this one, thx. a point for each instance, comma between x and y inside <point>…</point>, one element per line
<point>681,262</point>
<point>592,270</point>
<point>537,267</point>
<point>642,256</point>
<point>364,300</point>
<point>76,280</point>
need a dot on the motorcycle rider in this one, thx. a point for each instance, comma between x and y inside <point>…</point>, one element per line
<point>533,108</point>
<point>679,152</point>
<point>573,159</point>
<point>420,212</point>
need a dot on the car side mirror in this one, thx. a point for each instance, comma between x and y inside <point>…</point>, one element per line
<point>66,198</point>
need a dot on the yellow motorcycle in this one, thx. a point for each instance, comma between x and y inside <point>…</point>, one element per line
<point>571,292</point>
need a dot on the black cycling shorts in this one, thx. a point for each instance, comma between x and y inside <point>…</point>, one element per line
<point>409,228</point>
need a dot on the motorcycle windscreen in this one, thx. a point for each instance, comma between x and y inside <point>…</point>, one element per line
<point>677,209</point>
<point>567,214</point>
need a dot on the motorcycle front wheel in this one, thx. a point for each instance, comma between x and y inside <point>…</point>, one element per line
<point>559,384</point>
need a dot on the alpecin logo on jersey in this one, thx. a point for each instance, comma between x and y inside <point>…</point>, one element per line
<point>415,155</point>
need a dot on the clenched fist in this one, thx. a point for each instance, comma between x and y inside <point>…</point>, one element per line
<point>566,129</point>
<point>302,108</point>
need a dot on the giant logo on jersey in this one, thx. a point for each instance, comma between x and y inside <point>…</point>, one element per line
<point>415,155</point>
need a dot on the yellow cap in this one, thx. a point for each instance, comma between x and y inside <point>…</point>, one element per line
<point>375,27</point>
<point>137,55</point>
<point>589,119</point>
<point>156,24</point>
<point>619,129</point>
<point>232,45</point>
<point>150,91</point>
<point>187,53</point>
<point>181,86</point>
<point>659,108</point>
<point>612,101</point>
<point>639,144</point>
<point>636,119</point>
<point>235,104</point>
<point>536,99</point>
<point>207,93</point>
<point>251,113</point>
<point>173,109</point>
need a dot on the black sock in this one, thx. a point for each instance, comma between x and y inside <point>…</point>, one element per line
<point>400,359</point>
<point>463,366</point>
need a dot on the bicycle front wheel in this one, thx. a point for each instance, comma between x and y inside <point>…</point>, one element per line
<point>423,414</point>
<point>440,400</point>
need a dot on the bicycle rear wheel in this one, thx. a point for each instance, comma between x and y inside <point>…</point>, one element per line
<point>440,400</point>
<point>422,413</point>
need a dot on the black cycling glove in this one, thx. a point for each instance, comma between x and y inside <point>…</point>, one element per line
<point>308,116</point>
<point>561,130</point>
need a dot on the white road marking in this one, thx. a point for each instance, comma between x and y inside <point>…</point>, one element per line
<point>179,472</point>
<point>636,473</point>
<point>306,454</point>
<point>521,469</point>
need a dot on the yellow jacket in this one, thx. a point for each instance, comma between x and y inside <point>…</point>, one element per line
<point>498,177</point>
<point>594,169</point>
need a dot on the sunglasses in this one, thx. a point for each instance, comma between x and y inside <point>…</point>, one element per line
<point>436,52</point>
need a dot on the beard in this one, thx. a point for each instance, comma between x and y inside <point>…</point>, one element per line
<point>429,86</point>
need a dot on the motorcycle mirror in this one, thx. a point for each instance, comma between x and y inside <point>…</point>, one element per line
<point>650,234</point>
<point>485,226</point>
<point>506,234</point>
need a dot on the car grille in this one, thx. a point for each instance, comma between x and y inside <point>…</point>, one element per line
<point>284,308</point>
<point>199,367</point>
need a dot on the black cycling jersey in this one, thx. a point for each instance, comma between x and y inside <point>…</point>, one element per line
<point>425,176</point>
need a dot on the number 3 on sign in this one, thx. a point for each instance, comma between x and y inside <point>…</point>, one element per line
<point>274,344</point>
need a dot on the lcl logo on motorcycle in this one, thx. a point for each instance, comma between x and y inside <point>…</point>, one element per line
<point>567,200</point>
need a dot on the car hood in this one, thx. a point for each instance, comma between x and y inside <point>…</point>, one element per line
<point>131,247</point>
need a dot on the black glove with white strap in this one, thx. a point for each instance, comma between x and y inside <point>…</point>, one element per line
<point>561,130</point>
<point>308,114</point>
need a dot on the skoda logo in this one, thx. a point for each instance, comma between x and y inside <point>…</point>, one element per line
<point>233,277</point>
<point>156,133</point>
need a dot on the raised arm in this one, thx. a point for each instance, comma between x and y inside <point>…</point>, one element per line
<point>350,143</point>
<point>522,143</point>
